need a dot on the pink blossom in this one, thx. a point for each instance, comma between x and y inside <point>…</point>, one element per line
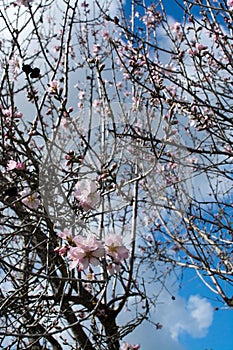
<point>15,114</point>
<point>61,250</point>
<point>18,114</point>
<point>136,103</point>
<point>230,3</point>
<point>12,164</point>
<point>97,103</point>
<point>65,234</point>
<point>149,21</point>
<point>200,47</point>
<point>30,199</point>
<point>87,194</point>
<point>177,30</point>
<point>115,247</point>
<point>53,87</point>
<point>20,166</point>
<point>64,122</point>
<point>14,65</point>
<point>88,251</point>
<point>192,52</point>
<point>7,112</point>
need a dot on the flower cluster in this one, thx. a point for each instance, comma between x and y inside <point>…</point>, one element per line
<point>9,115</point>
<point>85,251</point>
<point>152,17</point>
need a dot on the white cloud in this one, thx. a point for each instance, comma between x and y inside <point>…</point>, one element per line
<point>191,315</point>
<point>202,312</point>
<point>194,316</point>
<point>149,338</point>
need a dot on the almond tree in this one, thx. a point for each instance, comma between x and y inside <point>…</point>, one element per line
<point>116,156</point>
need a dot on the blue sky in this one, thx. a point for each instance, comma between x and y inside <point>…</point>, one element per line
<point>219,333</point>
<point>172,313</point>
